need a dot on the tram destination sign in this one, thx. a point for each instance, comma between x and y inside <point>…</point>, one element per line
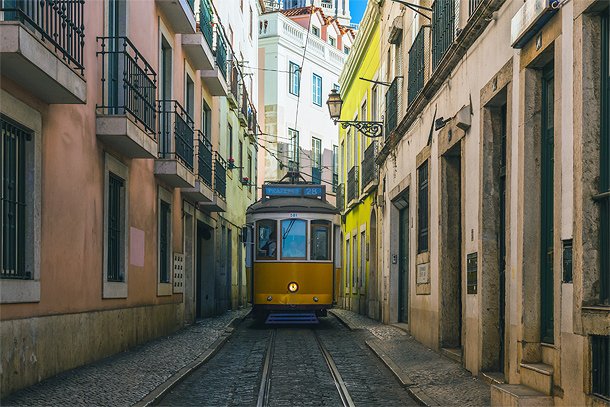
<point>312,191</point>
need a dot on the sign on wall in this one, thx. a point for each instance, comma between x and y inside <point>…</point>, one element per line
<point>423,273</point>
<point>529,20</point>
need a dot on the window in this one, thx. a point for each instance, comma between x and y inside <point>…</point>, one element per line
<point>293,150</point>
<point>443,19</point>
<point>315,30</point>
<point>348,255</point>
<point>189,97</point>
<point>348,137</point>
<point>240,153</point>
<point>338,87</point>
<point>165,242</point>
<point>294,239</point>
<point>266,240</point>
<point>14,201</point>
<point>332,41</point>
<point>115,265</point>
<point>320,240</point>
<point>295,79</point>
<point>346,49</point>
<point>316,152</point>
<point>374,103</point>
<point>249,172</point>
<point>206,120</point>
<point>422,209</point>
<point>600,366</point>
<point>335,165</point>
<point>20,203</point>
<point>354,262</point>
<point>604,179</point>
<point>230,141</point>
<point>317,90</point>
<point>251,22</point>
<point>362,258</point>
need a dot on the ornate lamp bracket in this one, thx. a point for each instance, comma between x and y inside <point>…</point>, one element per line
<point>369,129</point>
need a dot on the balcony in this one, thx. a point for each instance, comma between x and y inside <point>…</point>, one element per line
<point>391,107</point>
<point>42,48</point>
<point>233,81</point>
<point>369,169</point>
<point>202,192</point>
<point>419,62</point>
<point>180,14</point>
<point>126,118</point>
<point>353,187</point>
<point>219,201</point>
<point>199,46</point>
<point>252,124</point>
<point>242,114</point>
<point>335,182</point>
<point>176,155</point>
<point>443,32</point>
<point>216,79</point>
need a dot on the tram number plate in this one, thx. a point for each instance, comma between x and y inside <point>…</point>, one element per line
<point>294,215</point>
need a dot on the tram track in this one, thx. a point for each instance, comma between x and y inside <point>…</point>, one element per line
<point>265,385</point>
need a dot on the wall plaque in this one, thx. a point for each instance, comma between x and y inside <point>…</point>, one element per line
<point>423,273</point>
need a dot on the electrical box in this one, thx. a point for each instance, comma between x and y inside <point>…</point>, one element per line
<point>178,273</point>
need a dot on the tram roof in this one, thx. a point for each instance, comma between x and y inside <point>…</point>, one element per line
<point>292,204</point>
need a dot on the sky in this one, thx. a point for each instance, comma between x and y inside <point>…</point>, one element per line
<point>356,9</point>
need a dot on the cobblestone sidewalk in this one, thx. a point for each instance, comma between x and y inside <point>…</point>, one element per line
<point>126,378</point>
<point>443,382</point>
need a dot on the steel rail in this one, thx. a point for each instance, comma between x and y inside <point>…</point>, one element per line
<point>263,393</point>
<point>346,399</point>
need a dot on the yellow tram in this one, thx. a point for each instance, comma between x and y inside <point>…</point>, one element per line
<point>292,264</point>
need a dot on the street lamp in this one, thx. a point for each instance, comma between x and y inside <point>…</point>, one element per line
<point>369,129</point>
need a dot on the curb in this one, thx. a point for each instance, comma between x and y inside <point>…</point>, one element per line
<point>414,391</point>
<point>157,394</point>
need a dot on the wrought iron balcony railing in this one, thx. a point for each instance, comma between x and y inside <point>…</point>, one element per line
<point>473,6</point>
<point>220,52</point>
<point>176,133</point>
<point>316,175</point>
<point>59,22</point>
<point>234,79</point>
<point>335,181</point>
<point>220,175</point>
<point>244,101</point>
<point>205,160</point>
<point>369,169</point>
<point>252,121</point>
<point>418,63</point>
<point>206,22</point>
<point>443,30</point>
<point>340,197</point>
<point>128,82</point>
<point>391,107</point>
<point>352,184</point>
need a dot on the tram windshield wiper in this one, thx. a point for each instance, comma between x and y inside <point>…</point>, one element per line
<point>287,232</point>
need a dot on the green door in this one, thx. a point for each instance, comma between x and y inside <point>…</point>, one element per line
<point>403,266</point>
<point>546,202</point>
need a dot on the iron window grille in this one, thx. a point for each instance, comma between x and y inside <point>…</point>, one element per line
<point>391,107</point>
<point>220,175</point>
<point>352,184</point>
<point>13,152</point>
<point>115,190</point>
<point>164,225</point>
<point>295,79</point>
<point>443,29</point>
<point>176,133</point>
<point>418,63</point>
<point>369,169</point>
<point>59,22</point>
<point>600,366</point>
<point>204,159</point>
<point>422,209</point>
<point>129,83</point>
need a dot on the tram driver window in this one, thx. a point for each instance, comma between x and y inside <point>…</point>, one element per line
<point>294,239</point>
<point>320,242</point>
<point>266,242</point>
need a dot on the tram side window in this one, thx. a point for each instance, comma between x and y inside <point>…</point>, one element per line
<point>294,239</point>
<point>266,242</point>
<point>320,240</point>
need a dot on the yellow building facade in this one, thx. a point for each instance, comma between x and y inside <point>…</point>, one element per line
<point>360,91</point>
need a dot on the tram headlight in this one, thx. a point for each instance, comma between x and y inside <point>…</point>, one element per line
<point>293,287</point>
<point>315,299</point>
<point>269,298</point>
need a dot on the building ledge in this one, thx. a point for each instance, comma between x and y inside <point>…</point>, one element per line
<point>198,51</point>
<point>27,60</point>
<point>217,205</point>
<point>200,193</point>
<point>179,15</point>
<point>215,82</point>
<point>174,173</point>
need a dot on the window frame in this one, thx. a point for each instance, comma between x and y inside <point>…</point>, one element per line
<point>116,289</point>
<point>423,203</point>
<point>317,90</point>
<point>293,147</point>
<point>294,78</point>
<point>328,225</point>
<point>164,200</point>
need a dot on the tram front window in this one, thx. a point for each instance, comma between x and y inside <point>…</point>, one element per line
<point>266,243</point>
<point>294,239</point>
<point>320,242</point>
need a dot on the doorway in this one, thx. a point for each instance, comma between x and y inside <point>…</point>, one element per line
<point>451,247</point>
<point>546,205</point>
<point>373,281</point>
<point>403,266</point>
<point>204,272</point>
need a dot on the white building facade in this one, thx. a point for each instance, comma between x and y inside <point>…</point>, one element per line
<point>299,67</point>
